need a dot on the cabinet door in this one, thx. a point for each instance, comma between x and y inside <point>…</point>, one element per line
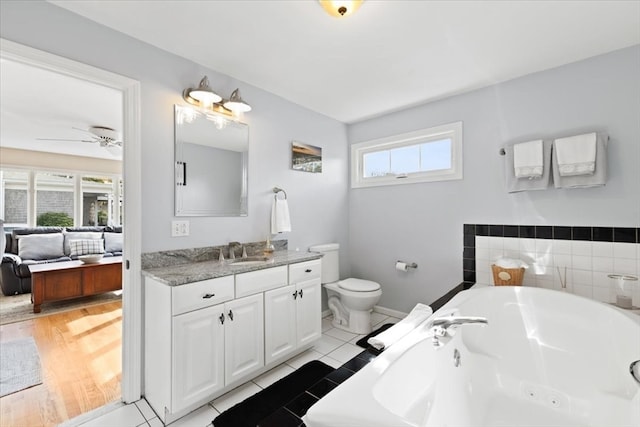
<point>308,312</point>
<point>198,355</point>
<point>244,337</point>
<point>279,322</point>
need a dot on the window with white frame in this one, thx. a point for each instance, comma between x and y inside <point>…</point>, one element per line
<point>28,195</point>
<point>433,154</point>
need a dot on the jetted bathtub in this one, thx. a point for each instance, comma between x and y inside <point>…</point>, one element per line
<point>545,358</point>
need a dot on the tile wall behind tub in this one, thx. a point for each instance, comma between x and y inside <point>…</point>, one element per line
<point>588,253</point>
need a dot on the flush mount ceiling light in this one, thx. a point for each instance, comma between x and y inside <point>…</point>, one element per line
<point>203,96</point>
<point>340,8</point>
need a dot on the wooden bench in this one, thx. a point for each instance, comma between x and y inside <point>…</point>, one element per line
<point>72,279</point>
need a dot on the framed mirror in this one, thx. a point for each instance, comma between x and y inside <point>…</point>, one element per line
<point>211,164</point>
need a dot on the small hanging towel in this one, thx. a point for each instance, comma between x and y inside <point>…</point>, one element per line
<point>576,155</point>
<point>280,220</point>
<point>528,159</point>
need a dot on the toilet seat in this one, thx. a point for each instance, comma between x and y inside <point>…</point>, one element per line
<point>358,285</point>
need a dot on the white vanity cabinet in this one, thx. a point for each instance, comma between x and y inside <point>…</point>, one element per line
<point>215,346</point>
<point>205,338</point>
<point>198,356</point>
<point>291,313</point>
<point>244,337</point>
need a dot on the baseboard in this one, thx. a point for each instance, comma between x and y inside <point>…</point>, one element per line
<point>389,312</point>
<point>377,309</point>
<point>91,415</point>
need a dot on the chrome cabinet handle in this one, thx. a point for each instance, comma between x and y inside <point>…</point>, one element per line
<point>207,296</point>
<point>231,315</point>
<point>300,292</point>
<point>295,294</point>
<point>221,318</point>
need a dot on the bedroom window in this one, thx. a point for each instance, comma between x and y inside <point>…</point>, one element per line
<point>433,154</point>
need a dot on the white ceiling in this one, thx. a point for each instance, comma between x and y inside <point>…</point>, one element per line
<point>387,56</point>
<point>37,103</point>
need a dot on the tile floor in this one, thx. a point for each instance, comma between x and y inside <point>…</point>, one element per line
<point>335,348</point>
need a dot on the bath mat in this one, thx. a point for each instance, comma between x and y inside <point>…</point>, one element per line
<point>252,410</point>
<point>19,366</point>
<point>362,342</point>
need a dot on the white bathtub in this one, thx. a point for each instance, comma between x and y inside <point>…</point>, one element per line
<point>546,358</point>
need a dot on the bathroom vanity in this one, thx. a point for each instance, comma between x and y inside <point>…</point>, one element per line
<point>211,326</point>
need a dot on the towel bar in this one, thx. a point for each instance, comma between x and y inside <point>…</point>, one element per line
<point>276,190</point>
<point>502,152</point>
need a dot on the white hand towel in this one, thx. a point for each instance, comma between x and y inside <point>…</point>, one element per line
<point>576,155</point>
<point>419,314</point>
<point>597,179</point>
<point>280,220</point>
<point>528,159</point>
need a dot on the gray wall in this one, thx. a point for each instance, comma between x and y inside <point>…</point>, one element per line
<point>376,226</point>
<point>423,222</point>
<point>318,202</point>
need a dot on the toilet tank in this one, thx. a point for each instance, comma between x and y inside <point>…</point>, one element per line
<point>330,261</point>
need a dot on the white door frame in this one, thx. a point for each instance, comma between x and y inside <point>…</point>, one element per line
<point>131,385</point>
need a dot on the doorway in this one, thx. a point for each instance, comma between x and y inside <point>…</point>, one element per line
<point>131,195</point>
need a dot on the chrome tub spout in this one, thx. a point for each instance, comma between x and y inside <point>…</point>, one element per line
<point>440,325</point>
<point>447,322</point>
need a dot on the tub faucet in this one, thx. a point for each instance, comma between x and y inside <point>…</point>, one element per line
<point>440,325</point>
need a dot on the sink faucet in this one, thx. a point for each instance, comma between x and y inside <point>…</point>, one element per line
<point>232,249</point>
<point>440,325</point>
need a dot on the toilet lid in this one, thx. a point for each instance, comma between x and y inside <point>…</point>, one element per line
<point>358,285</point>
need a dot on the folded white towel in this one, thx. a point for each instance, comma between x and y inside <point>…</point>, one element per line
<point>576,155</point>
<point>515,185</point>
<point>280,220</point>
<point>528,159</point>
<point>597,179</point>
<point>419,314</point>
<point>510,263</point>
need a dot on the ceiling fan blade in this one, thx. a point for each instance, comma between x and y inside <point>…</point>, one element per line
<point>114,150</point>
<point>82,130</point>
<point>64,139</point>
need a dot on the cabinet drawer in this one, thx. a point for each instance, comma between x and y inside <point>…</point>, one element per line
<point>304,271</point>
<point>261,280</point>
<point>201,294</point>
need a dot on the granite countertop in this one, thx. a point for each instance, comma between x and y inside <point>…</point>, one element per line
<point>176,275</point>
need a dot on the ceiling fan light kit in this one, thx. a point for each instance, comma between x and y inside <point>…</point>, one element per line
<point>108,135</point>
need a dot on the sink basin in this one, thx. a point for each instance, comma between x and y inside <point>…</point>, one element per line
<point>248,261</point>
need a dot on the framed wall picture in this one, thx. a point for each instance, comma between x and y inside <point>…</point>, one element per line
<point>306,158</point>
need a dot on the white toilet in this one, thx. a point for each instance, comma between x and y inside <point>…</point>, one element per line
<point>351,300</point>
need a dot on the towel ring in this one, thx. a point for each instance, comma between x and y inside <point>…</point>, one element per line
<point>276,190</point>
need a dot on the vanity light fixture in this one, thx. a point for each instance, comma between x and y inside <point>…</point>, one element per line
<point>203,96</point>
<point>340,8</point>
<point>236,104</point>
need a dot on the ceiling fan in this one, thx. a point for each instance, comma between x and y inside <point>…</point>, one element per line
<point>102,135</point>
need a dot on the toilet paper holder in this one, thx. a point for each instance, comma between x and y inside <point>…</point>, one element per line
<point>408,264</point>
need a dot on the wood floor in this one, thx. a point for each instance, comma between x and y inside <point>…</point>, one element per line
<point>81,357</point>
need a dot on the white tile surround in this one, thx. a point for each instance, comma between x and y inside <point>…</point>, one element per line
<point>334,348</point>
<point>587,263</point>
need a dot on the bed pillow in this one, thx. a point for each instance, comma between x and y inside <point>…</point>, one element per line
<point>41,246</point>
<point>113,242</point>
<point>78,235</point>
<point>85,247</point>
